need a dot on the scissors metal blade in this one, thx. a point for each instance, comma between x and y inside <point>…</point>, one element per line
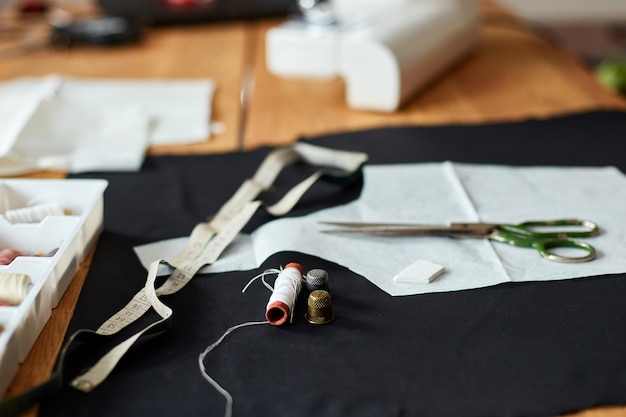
<point>412,229</point>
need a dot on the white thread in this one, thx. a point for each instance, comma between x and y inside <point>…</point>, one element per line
<point>286,288</point>
<point>229,399</point>
<point>13,288</point>
<point>262,276</point>
<point>34,213</point>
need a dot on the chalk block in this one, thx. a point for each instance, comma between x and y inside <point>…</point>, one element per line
<point>420,271</point>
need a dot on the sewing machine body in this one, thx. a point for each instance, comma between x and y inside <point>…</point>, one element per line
<point>385,53</point>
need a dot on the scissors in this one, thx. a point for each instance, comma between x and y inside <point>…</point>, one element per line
<point>524,234</point>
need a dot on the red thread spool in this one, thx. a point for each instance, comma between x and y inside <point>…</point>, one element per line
<point>8,255</point>
<point>277,312</point>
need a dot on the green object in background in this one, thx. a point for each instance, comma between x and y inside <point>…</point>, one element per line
<point>612,74</point>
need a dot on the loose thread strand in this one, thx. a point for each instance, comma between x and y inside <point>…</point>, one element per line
<point>262,276</point>
<point>229,399</point>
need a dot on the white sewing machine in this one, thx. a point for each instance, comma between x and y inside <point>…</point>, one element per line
<point>385,51</point>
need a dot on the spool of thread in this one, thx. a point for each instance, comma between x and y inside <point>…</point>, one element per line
<point>316,279</point>
<point>8,255</point>
<point>283,298</point>
<point>34,213</point>
<point>13,288</point>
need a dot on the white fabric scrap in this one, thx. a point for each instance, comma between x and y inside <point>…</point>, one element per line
<point>80,124</point>
<point>441,193</point>
<point>104,139</point>
<point>180,109</point>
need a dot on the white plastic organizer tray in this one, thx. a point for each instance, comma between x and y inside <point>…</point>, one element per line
<point>65,238</point>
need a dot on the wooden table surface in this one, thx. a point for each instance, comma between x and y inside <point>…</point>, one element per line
<point>515,74</point>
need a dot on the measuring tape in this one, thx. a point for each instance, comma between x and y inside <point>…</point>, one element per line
<point>205,244</point>
<point>208,240</point>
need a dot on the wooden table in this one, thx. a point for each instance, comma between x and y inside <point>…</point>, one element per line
<point>515,74</point>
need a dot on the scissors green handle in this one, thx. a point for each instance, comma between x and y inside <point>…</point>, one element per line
<point>543,246</point>
<point>524,235</point>
<point>562,229</point>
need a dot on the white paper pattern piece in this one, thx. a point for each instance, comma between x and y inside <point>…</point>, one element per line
<point>180,110</point>
<point>452,192</point>
<point>78,125</point>
<point>420,271</point>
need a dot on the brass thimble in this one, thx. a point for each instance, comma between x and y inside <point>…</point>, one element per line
<point>319,308</point>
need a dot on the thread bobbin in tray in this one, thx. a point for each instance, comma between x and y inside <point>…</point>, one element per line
<point>51,250</point>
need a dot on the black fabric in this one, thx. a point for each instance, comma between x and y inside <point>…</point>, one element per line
<point>521,349</point>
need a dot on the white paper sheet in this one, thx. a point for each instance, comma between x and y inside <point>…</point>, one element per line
<point>79,124</point>
<point>112,138</point>
<point>443,193</point>
<point>180,109</point>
